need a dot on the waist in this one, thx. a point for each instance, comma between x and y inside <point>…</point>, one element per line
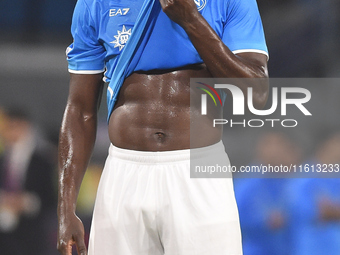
<point>145,129</point>
<point>164,157</point>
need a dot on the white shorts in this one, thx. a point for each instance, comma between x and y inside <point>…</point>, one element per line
<point>147,204</point>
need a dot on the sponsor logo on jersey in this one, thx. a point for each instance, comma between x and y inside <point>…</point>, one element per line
<point>200,4</point>
<point>121,38</point>
<point>118,11</point>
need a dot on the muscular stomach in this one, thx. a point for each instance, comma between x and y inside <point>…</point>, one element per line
<point>153,112</point>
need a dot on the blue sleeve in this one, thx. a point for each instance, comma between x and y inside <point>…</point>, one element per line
<point>85,55</point>
<point>243,30</point>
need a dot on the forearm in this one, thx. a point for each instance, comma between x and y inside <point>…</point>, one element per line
<point>218,58</point>
<point>77,137</point>
<point>222,63</point>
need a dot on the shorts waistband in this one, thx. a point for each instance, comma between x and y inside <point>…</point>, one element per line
<point>165,156</point>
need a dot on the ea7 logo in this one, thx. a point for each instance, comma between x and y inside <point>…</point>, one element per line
<point>119,11</point>
<point>239,101</point>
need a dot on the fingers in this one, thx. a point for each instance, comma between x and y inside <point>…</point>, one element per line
<point>179,11</point>
<point>71,232</point>
<point>65,248</point>
<point>81,247</point>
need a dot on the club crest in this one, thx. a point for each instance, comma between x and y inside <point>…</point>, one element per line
<point>200,4</point>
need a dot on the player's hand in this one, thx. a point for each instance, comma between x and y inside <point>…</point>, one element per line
<point>71,232</point>
<point>183,12</point>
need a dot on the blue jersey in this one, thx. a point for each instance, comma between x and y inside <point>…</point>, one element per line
<point>101,29</point>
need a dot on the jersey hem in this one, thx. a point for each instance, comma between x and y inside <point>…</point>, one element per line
<point>85,71</point>
<point>251,50</point>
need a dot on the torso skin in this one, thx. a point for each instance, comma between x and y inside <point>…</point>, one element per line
<point>153,112</point>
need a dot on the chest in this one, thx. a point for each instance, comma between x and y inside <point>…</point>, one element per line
<point>118,19</point>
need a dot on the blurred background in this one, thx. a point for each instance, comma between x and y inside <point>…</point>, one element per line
<point>278,216</point>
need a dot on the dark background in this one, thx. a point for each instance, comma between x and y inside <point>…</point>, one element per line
<point>302,38</point>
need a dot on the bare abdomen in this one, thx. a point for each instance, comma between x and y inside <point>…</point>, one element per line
<point>153,112</point>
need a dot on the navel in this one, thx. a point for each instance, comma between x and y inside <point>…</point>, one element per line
<point>160,136</point>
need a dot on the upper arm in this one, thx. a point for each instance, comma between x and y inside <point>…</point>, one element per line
<point>243,30</point>
<point>86,62</point>
<point>85,92</point>
<point>259,62</point>
<point>258,59</point>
